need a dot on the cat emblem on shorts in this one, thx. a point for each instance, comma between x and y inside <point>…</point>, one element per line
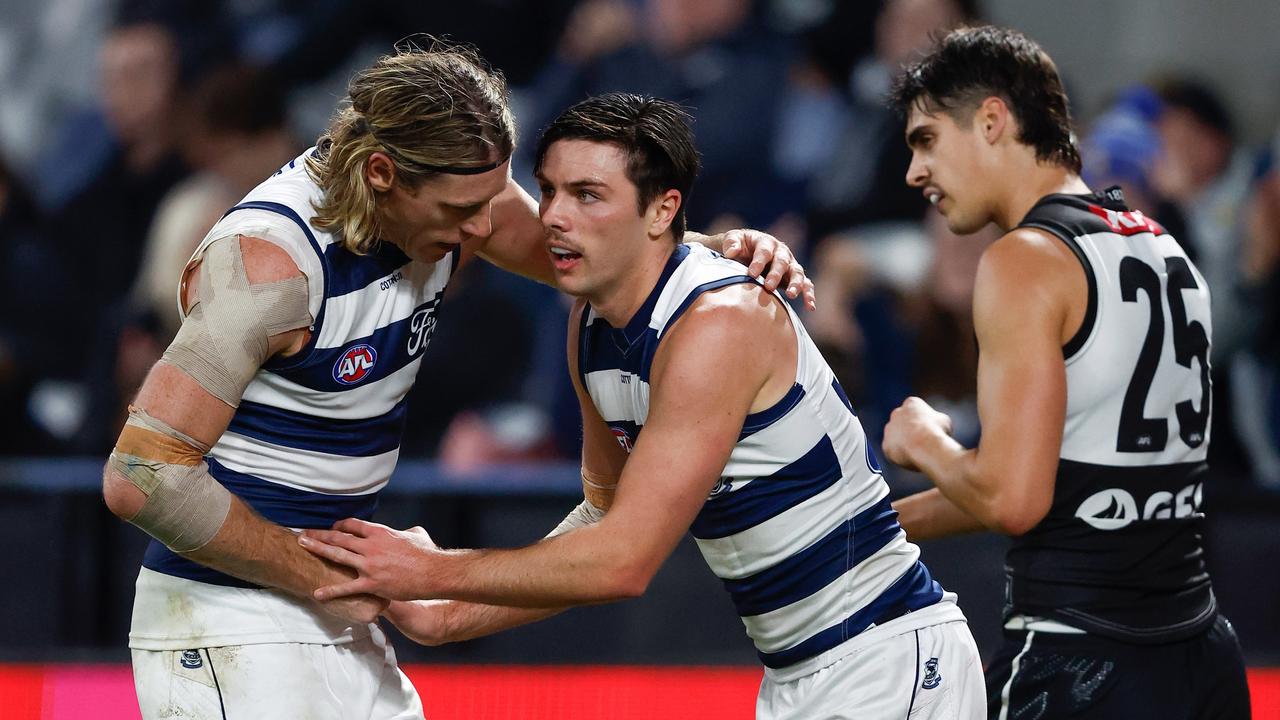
<point>932,678</point>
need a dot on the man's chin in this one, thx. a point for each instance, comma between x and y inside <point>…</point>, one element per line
<point>567,283</point>
<point>430,252</point>
<point>963,226</point>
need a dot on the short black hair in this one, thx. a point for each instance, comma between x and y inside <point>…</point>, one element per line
<point>970,64</point>
<point>655,134</point>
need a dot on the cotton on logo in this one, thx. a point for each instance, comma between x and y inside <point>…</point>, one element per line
<point>355,364</point>
<point>1127,223</point>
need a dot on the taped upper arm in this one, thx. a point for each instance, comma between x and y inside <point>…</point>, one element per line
<point>264,261</point>
<point>248,301</point>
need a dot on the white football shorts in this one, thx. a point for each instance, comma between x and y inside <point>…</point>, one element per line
<point>348,681</point>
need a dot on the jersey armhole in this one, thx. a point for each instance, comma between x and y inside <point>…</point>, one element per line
<point>1077,341</point>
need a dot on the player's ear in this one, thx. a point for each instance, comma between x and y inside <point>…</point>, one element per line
<point>993,119</point>
<point>662,211</point>
<point>380,171</point>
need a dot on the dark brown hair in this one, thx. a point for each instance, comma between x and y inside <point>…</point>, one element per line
<point>655,134</point>
<point>970,64</point>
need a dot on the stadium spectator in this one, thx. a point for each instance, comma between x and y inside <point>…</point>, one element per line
<point>37,406</point>
<point>862,181</point>
<point>720,57</point>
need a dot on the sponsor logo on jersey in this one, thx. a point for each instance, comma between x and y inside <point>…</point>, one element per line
<point>421,327</point>
<point>932,678</point>
<point>191,659</point>
<point>1113,508</point>
<point>390,281</point>
<point>1130,222</point>
<point>355,364</point>
<point>623,438</point>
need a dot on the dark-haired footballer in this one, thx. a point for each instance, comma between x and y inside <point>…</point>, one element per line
<point>769,471</point>
<point>1093,390</point>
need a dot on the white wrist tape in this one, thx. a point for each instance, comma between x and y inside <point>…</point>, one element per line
<point>581,516</point>
<point>597,491</point>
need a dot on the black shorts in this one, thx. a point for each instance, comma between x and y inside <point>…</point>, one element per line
<point>1086,676</point>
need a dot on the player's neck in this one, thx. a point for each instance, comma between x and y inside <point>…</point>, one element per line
<point>1028,187</point>
<point>620,302</point>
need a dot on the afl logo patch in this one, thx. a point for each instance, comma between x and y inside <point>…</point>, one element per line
<point>191,659</point>
<point>355,364</point>
<point>623,438</point>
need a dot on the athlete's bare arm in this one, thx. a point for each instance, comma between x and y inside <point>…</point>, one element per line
<point>435,622</point>
<point>518,241</point>
<point>1029,300</point>
<point>929,514</point>
<point>247,546</point>
<point>693,423</point>
<point>518,245</point>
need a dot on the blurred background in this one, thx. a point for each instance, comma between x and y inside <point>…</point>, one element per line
<point>128,126</point>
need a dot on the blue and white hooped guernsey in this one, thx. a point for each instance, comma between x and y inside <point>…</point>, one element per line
<point>799,527</point>
<point>317,434</point>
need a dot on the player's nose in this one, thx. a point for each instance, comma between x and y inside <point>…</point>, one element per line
<point>917,173</point>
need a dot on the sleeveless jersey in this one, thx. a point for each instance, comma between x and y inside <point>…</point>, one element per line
<point>1119,553</point>
<point>316,434</point>
<point>799,527</point>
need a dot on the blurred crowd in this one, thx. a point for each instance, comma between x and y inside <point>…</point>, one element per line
<point>109,178</point>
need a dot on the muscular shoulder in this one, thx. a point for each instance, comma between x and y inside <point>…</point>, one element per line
<point>264,262</point>
<point>743,309</point>
<point>741,329</point>
<point>1027,250</point>
<point>1029,275</point>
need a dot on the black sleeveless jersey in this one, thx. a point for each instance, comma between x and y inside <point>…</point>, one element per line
<point>1119,553</point>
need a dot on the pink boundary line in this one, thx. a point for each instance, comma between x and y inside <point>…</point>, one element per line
<point>105,692</point>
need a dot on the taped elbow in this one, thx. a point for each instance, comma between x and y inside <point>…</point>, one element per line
<point>156,479</point>
<point>122,498</point>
